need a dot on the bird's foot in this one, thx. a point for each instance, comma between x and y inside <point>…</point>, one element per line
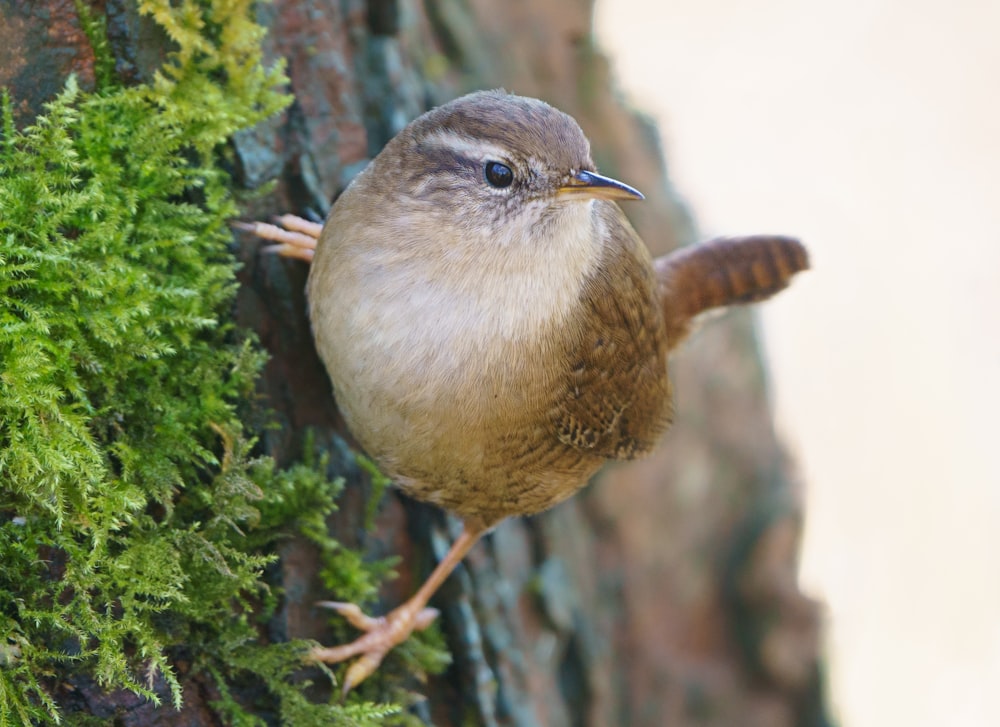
<point>295,236</point>
<point>381,635</point>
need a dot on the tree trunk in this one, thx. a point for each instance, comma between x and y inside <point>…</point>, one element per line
<point>665,592</point>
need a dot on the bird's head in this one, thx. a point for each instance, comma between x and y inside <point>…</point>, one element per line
<point>496,166</point>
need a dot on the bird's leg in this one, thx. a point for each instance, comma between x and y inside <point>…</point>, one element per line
<point>296,237</point>
<point>394,628</point>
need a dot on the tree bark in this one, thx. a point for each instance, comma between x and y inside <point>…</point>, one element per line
<point>664,593</point>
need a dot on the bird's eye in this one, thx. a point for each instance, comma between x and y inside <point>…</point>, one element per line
<point>499,175</point>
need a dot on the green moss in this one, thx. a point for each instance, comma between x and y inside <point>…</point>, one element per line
<point>133,520</point>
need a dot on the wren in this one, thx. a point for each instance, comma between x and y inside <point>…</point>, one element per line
<point>493,327</point>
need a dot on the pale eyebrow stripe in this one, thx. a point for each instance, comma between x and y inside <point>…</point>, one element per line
<point>471,148</point>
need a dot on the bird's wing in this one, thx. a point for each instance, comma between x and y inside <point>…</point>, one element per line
<point>614,399</point>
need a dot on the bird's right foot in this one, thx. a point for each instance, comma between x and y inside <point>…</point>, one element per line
<point>381,634</point>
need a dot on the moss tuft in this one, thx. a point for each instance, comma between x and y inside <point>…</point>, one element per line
<point>133,520</point>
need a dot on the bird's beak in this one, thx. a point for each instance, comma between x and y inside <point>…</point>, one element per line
<point>591,185</point>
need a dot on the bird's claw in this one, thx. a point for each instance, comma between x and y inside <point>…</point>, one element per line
<point>381,635</point>
<point>296,237</point>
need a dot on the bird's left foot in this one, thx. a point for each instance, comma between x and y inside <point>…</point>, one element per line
<point>381,635</point>
<point>295,236</point>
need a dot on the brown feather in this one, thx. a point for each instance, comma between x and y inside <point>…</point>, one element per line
<point>616,399</point>
<point>722,272</point>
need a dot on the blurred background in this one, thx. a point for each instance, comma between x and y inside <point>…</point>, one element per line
<point>871,130</point>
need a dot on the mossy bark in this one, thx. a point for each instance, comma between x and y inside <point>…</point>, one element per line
<point>665,592</point>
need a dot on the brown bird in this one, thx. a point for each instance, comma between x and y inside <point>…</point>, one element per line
<point>494,328</point>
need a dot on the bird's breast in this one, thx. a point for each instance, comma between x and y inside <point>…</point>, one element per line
<point>429,347</point>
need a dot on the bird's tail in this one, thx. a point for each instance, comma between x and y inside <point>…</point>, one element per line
<point>722,272</point>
